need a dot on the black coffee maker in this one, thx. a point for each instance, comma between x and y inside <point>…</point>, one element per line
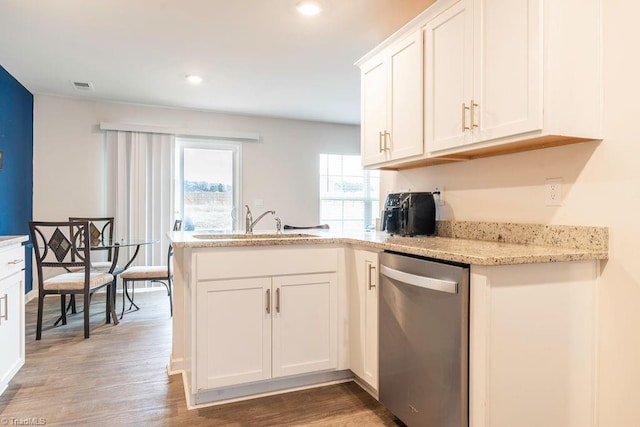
<point>409,214</point>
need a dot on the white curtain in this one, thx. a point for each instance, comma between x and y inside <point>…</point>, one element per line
<point>140,191</point>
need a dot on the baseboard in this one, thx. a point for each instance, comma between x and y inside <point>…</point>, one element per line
<point>272,387</point>
<point>175,366</point>
<point>366,387</point>
<point>31,295</point>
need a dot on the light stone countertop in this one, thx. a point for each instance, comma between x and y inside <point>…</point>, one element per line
<point>461,250</point>
<point>12,240</point>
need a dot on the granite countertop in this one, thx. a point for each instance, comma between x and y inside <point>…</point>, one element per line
<point>497,244</point>
<point>12,240</point>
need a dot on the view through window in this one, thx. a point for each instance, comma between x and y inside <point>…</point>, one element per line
<point>349,195</point>
<point>208,186</point>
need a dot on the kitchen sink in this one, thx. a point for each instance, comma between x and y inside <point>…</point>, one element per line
<point>259,236</point>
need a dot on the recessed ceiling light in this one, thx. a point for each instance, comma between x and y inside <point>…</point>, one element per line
<point>194,79</point>
<point>309,7</point>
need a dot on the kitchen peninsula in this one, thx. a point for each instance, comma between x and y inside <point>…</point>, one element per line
<point>268,313</point>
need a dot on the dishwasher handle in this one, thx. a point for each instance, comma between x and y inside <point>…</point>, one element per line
<point>420,281</point>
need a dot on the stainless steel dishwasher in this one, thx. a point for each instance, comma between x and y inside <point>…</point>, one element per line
<point>424,340</point>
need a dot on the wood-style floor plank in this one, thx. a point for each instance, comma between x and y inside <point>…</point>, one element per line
<point>118,377</point>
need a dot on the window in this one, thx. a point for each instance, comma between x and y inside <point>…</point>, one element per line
<point>208,184</point>
<point>349,195</point>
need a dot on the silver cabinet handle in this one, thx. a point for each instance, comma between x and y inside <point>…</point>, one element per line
<point>5,316</point>
<point>464,117</point>
<point>372,268</point>
<point>380,148</point>
<point>420,281</point>
<point>268,301</point>
<point>473,114</point>
<point>278,300</point>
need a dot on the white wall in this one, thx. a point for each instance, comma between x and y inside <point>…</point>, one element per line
<point>282,169</point>
<point>601,184</point>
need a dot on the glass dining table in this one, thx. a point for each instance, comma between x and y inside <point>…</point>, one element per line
<point>117,248</point>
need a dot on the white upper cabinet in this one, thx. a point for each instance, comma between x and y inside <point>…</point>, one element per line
<point>449,77</point>
<point>499,77</point>
<point>374,111</point>
<point>482,68</point>
<point>392,102</point>
<point>507,84</point>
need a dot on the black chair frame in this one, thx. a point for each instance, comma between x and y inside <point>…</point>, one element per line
<point>78,255</point>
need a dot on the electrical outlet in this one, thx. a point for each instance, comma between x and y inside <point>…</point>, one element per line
<point>553,192</point>
<point>439,198</point>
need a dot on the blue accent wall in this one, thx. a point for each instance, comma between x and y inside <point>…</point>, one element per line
<point>16,175</point>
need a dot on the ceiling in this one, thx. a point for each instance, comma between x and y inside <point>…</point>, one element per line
<point>257,57</point>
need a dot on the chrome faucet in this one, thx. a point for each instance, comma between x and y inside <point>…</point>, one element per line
<point>250,223</point>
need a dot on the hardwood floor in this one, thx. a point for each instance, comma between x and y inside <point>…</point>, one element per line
<point>118,377</point>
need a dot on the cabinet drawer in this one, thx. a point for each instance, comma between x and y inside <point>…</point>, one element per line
<point>11,260</point>
<point>266,261</point>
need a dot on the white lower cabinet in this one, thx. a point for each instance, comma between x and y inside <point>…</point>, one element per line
<point>304,324</point>
<point>11,313</point>
<point>533,345</point>
<point>363,315</point>
<point>234,332</point>
<point>259,328</point>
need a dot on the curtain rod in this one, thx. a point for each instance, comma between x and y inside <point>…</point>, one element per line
<point>126,127</point>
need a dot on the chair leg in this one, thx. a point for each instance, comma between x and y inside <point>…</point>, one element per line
<point>167,285</point>
<point>110,308</point>
<point>39,322</point>
<point>72,304</point>
<point>63,311</point>
<point>131,296</point>
<point>87,302</point>
<point>108,305</point>
<point>124,291</point>
<point>170,297</point>
<point>114,290</point>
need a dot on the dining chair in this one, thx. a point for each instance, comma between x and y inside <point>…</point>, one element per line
<point>100,232</point>
<point>60,247</point>
<point>295,227</point>
<point>149,273</point>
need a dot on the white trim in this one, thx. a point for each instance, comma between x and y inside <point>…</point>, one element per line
<point>31,295</point>
<point>127,127</point>
<point>235,147</point>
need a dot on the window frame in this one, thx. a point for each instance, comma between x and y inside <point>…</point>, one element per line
<point>366,176</point>
<point>210,144</point>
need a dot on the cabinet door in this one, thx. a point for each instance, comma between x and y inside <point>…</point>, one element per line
<point>305,329</point>
<point>233,332</point>
<point>363,316</point>
<point>508,68</point>
<point>404,133</point>
<point>374,111</point>
<point>448,51</point>
<point>11,327</point>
